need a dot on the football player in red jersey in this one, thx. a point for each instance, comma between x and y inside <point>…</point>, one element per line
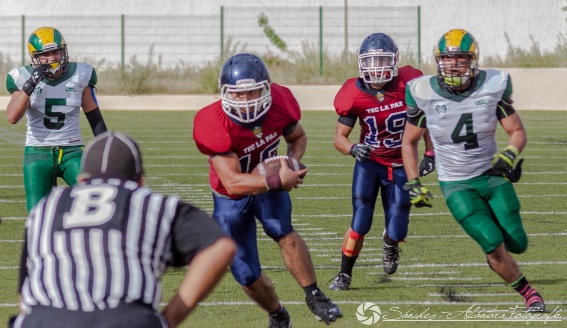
<point>238,132</point>
<point>377,100</point>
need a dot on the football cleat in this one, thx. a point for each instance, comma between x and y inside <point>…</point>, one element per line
<point>322,307</point>
<point>280,320</point>
<point>534,303</point>
<point>391,257</point>
<point>341,282</point>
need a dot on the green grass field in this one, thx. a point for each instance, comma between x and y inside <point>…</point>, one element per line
<point>442,272</point>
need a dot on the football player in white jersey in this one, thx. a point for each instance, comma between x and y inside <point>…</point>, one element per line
<point>462,107</point>
<point>51,92</point>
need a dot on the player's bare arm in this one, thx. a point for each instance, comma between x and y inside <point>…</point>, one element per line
<point>410,139</point>
<point>340,139</point>
<point>427,141</point>
<point>88,102</point>
<point>296,142</point>
<point>516,132</point>
<point>207,268</point>
<point>227,167</point>
<point>17,106</point>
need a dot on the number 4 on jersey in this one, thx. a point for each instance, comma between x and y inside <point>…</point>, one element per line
<point>469,137</point>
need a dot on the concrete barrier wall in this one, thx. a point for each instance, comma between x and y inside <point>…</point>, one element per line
<point>533,89</point>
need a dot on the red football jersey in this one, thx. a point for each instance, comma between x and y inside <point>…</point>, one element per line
<point>381,114</point>
<point>215,133</point>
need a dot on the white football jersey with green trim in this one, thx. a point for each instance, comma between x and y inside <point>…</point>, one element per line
<point>462,126</point>
<point>53,114</point>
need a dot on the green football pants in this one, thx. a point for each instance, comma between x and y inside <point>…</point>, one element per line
<point>488,209</point>
<point>42,166</point>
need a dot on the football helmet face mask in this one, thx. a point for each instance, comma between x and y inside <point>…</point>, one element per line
<point>456,55</point>
<point>240,75</point>
<point>46,40</point>
<point>378,59</point>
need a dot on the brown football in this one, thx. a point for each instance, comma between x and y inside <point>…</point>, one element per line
<point>272,166</point>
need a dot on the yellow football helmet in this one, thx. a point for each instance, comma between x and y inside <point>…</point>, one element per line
<point>456,42</point>
<point>47,39</point>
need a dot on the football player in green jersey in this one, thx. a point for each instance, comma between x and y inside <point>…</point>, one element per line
<point>462,107</point>
<point>50,92</point>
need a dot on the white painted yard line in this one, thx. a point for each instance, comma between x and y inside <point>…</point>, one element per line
<point>476,294</point>
<point>375,301</point>
<point>382,303</point>
<point>327,216</point>
<point>376,266</point>
<point>426,278</point>
<point>413,273</point>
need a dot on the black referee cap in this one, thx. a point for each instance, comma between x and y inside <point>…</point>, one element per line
<point>112,155</point>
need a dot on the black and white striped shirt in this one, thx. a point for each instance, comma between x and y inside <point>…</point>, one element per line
<point>104,243</point>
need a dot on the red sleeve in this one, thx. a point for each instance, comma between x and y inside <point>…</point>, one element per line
<point>282,97</point>
<point>209,133</point>
<point>408,73</point>
<point>345,97</point>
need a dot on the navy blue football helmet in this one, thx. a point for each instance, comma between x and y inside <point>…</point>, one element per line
<point>241,75</point>
<point>378,58</point>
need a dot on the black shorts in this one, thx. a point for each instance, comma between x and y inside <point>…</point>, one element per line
<point>125,315</point>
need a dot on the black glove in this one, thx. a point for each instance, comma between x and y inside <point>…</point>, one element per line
<point>505,160</point>
<point>360,151</point>
<point>427,165</point>
<point>36,76</point>
<point>512,174</point>
<point>419,195</point>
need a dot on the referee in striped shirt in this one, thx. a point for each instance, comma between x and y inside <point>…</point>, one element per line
<point>94,254</point>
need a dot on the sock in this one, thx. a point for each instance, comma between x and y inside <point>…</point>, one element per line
<point>278,310</point>
<point>310,288</point>
<point>389,241</point>
<point>522,286</point>
<point>347,263</point>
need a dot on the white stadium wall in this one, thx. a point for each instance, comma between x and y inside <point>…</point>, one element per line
<point>523,22</point>
<point>488,20</point>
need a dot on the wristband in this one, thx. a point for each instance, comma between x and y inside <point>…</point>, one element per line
<point>274,182</point>
<point>513,149</point>
<point>430,153</point>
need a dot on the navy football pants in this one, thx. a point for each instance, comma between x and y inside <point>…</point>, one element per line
<point>368,179</point>
<point>237,218</point>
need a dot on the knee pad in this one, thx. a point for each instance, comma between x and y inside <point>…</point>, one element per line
<point>244,274</point>
<point>516,242</point>
<point>362,219</point>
